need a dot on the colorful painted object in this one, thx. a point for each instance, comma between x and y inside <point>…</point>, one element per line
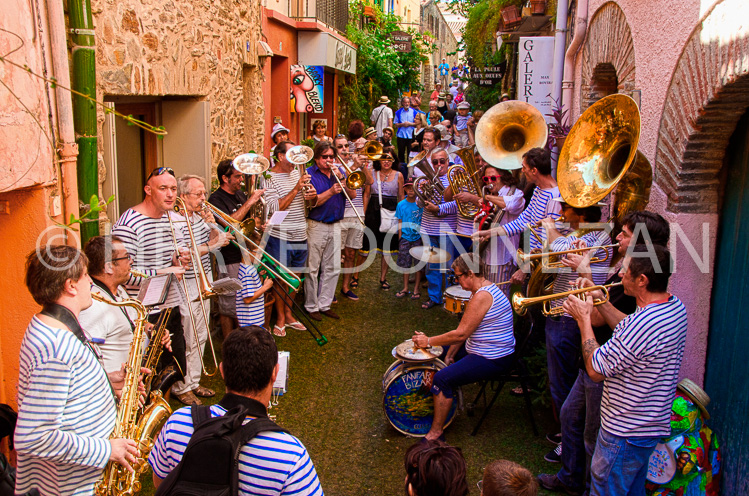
<point>688,462</point>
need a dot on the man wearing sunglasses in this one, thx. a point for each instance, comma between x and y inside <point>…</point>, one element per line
<point>429,143</point>
<point>230,199</point>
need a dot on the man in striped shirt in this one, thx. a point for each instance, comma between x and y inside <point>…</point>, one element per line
<point>639,366</point>
<point>537,170</point>
<point>66,408</point>
<point>195,320</point>
<point>272,463</point>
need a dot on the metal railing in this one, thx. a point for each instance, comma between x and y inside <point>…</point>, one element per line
<point>333,13</point>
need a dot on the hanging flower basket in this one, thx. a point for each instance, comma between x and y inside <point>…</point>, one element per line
<point>538,7</point>
<point>510,16</point>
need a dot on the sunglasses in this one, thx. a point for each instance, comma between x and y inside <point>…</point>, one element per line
<point>338,136</point>
<point>159,171</point>
<point>438,161</point>
<point>491,179</point>
<point>329,157</point>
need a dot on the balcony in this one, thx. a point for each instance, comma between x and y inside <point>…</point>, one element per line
<point>333,13</point>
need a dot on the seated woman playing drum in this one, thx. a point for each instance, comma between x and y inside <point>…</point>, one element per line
<point>482,345</point>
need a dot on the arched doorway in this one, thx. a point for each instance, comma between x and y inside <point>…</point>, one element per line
<point>727,366</point>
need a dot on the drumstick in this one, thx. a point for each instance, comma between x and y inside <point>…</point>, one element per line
<point>457,234</point>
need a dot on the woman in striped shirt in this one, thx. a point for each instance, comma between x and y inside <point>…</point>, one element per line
<point>482,345</point>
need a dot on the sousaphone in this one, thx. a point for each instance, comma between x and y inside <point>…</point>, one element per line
<point>508,130</point>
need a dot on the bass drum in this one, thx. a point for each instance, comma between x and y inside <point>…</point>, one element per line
<point>456,299</point>
<point>407,398</point>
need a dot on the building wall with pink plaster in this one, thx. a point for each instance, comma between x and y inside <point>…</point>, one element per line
<point>659,31</point>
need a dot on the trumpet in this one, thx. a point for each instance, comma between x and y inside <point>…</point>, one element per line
<point>282,273</point>
<point>544,256</point>
<point>520,303</point>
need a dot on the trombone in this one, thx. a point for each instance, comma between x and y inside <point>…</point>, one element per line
<point>278,271</point>
<point>205,290</point>
<point>520,303</point>
<point>543,256</point>
<point>354,179</point>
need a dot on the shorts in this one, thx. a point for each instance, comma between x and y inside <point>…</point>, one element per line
<point>405,260</point>
<point>352,233</point>
<point>291,254</point>
<point>226,304</point>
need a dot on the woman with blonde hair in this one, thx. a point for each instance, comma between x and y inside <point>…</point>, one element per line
<point>319,127</point>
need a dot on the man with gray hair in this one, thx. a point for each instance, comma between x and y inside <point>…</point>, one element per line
<point>208,238</point>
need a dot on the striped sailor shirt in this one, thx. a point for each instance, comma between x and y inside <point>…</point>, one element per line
<point>254,313</point>
<point>148,241</point>
<point>66,413</point>
<point>202,232</point>
<point>432,225</point>
<point>294,226</point>
<point>463,225</point>
<point>272,463</point>
<point>538,208</point>
<point>641,364</point>
<point>493,338</point>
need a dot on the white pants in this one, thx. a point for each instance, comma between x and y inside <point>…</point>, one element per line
<point>192,354</point>
<point>324,261</point>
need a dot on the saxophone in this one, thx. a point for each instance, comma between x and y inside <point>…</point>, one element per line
<point>130,424</point>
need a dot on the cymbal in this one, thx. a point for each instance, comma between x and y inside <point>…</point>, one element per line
<point>429,254</point>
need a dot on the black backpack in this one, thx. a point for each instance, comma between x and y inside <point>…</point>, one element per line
<point>210,464</point>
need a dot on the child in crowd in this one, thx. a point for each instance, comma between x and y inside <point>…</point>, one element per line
<point>506,478</point>
<point>408,213</point>
<point>462,138</point>
<point>250,300</point>
<point>435,469</point>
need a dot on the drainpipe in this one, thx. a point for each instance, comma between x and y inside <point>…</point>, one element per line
<point>84,110</point>
<point>67,149</point>
<point>581,28</point>
<point>560,39</point>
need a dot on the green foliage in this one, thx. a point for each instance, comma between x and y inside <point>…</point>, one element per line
<point>380,70</point>
<point>94,207</point>
<point>479,33</point>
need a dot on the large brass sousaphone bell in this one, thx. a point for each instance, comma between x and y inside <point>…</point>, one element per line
<point>252,165</point>
<point>508,130</point>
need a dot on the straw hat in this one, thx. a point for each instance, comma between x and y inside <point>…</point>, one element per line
<point>368,131</point>
<point>695,393</point>
<point>383,99</point>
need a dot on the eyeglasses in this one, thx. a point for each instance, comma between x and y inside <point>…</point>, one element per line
<point>342,146</point>
<point>159,171</point>
<point>458,276</point>
<point>328,157</point>
<point>438,161</point>
<point>491,179</point>
<point>126,257</point>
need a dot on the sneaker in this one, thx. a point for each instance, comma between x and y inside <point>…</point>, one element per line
<point>552,483</point>
<point>555,455</point>
<point>350,295</point>
<point>554,438</point>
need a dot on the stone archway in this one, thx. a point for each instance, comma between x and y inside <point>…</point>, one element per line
<point>607,44</point>
<point>709,92</point>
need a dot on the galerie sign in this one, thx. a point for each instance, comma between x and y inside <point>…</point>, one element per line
<point>535,64</point>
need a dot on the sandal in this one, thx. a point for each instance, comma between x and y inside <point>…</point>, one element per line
<point>204,392</point>
<point>279,331</point>
<point>384,285</point>
<point>401,294</point>
<point>188,398</point>
<point>296,325</point>
<point>354,282</point>
<point>429,304</point>
<point>416,296</point>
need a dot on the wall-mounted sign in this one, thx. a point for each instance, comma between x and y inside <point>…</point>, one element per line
<point>535,64</point>
<point>307,85</point>
<point>488,76</point>
<point>324,49</point>
<point>401,41</point>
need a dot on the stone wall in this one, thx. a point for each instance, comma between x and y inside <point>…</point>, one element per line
<point>191,48</point>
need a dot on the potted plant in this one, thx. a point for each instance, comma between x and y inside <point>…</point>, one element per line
<point>510,16</point>
<point>538,7</point>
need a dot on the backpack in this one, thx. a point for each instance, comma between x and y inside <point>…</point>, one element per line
<point>210,464</point>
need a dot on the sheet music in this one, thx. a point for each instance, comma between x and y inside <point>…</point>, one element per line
<point>277,217</point>
<point>227,284</point>
<point>282,379</point>
<point>152,290</point>
<point>176,295</point>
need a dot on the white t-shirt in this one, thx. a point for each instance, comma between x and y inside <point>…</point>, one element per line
<point>381,116</point>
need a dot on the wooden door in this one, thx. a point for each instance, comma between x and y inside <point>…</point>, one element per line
<point>727,375</point>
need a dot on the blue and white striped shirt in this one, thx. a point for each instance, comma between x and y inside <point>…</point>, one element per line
<point>463,225</point>
<point>641,364</point>
<point>493,338</point>
<point>272,463</point>
<point>66,413</point>
<point>539,208</point>
<point>254,313</point>
<point>431,224</point>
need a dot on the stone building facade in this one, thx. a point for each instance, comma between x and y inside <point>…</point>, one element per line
<point>434,22</point>
<point>686,65</point>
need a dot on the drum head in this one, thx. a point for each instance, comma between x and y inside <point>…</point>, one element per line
<point>662,464</point>
<point>408,400</point>
<point>458,293</point>
<point>408,352</point>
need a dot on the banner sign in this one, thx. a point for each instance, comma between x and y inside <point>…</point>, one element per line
<point>488,76</point>
<point>401,41</point>
<point>535,65</point>
<point>307,85</point>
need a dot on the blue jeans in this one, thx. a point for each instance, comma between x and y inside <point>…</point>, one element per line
<point>467,369</point>
<point>620,465</point>
<point>292,254</point>
<point>581,419</point>
<point>433,270</point>
<point>562,351</point>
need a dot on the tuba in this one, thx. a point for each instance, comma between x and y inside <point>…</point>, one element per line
<point>428,188</point>
<point>143,428</point>
<point>465,178</point>
<point>508,130</point>
<point>252,165</point>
